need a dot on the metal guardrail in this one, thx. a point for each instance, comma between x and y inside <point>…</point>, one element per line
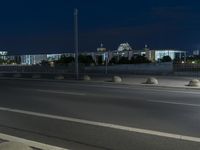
<point>37,69</point>
<point>187,69</point>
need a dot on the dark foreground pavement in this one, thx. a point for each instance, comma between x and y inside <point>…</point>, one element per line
<point>165,110</point>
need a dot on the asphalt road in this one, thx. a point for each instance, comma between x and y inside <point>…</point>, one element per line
<point>97,116</point>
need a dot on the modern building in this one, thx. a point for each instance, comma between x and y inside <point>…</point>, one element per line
<point>196,52</point>
<point>32,59</point>
<point>158,54</point>
<point>3,55</point>
<point>172,53</point>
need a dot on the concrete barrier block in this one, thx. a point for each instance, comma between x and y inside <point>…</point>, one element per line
<point>86,78</point>
<point>17,75</point>
<point>59,77</point>
<point>117,79</point>
<point>194,83</point>
<point>14,146</point>
<point>36,76</point>
<point>152,80</point>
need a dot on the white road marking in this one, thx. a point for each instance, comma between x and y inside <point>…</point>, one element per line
<point>29,142</point>
<point>173,103</point>
<point>106,125</point>
<point>60,92</point>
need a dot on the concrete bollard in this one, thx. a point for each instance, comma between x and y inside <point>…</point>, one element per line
<point>152,80</point>
<point>17,75</point>
<point>14,146</point>
<point>194,83</point>
<point>86,78</point>
<point>59,77</point>
<point>117,79</point>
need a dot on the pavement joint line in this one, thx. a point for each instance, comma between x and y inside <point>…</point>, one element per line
<point>61,92</point>
<point>106,125</point>
<point>30,143</point>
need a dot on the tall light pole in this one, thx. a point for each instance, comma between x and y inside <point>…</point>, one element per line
<point>76,42</point>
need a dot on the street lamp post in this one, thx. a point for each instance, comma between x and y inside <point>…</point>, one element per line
<point>76,42</point>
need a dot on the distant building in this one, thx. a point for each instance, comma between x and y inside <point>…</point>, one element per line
<point>172,53</point>
<point>157,55</point>
<point>196,52</point>
<point>32,59</point>
<point>101,48</point>
<point>124,47</point>
<point>53,57</point>
<point>3,55</point>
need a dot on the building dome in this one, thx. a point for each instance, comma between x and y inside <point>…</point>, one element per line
<point>124,47</point>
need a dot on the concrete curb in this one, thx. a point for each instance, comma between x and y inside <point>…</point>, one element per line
<point>17,143</point>
<point>14,146</point>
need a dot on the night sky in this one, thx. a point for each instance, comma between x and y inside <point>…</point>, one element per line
<point>46,26</point>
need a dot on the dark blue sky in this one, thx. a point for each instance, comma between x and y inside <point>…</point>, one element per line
<point>40,26</point>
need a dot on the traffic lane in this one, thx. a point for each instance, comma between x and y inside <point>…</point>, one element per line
<point>156,116</point>
<point>92,136</point>
<point>179,97</point>
<point>171,95</point>
<point>81,84</point>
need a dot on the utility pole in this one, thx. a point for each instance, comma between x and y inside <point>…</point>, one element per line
<point>76,42</point>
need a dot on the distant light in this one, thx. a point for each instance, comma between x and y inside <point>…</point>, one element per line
<point>182,62</point>
<point>193,62</point>
<point>52,64</point>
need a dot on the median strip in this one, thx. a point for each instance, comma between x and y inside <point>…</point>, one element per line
<point>106,125</point>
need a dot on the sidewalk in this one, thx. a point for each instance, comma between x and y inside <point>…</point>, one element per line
<point>164,81</point>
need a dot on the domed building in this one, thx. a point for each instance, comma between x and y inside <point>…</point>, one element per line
<point>124,47</point>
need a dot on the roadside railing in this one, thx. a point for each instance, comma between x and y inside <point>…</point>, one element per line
<point>187,69</point>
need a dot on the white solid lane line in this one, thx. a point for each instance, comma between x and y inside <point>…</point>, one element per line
<point>106,125</point>
<point>30,143</point>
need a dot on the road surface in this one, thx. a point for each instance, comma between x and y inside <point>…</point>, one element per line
<point>100,116</point>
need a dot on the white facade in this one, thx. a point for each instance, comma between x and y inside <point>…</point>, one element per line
<point>53,57</point>
<point>159,54</point>
<point>32,59</point>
